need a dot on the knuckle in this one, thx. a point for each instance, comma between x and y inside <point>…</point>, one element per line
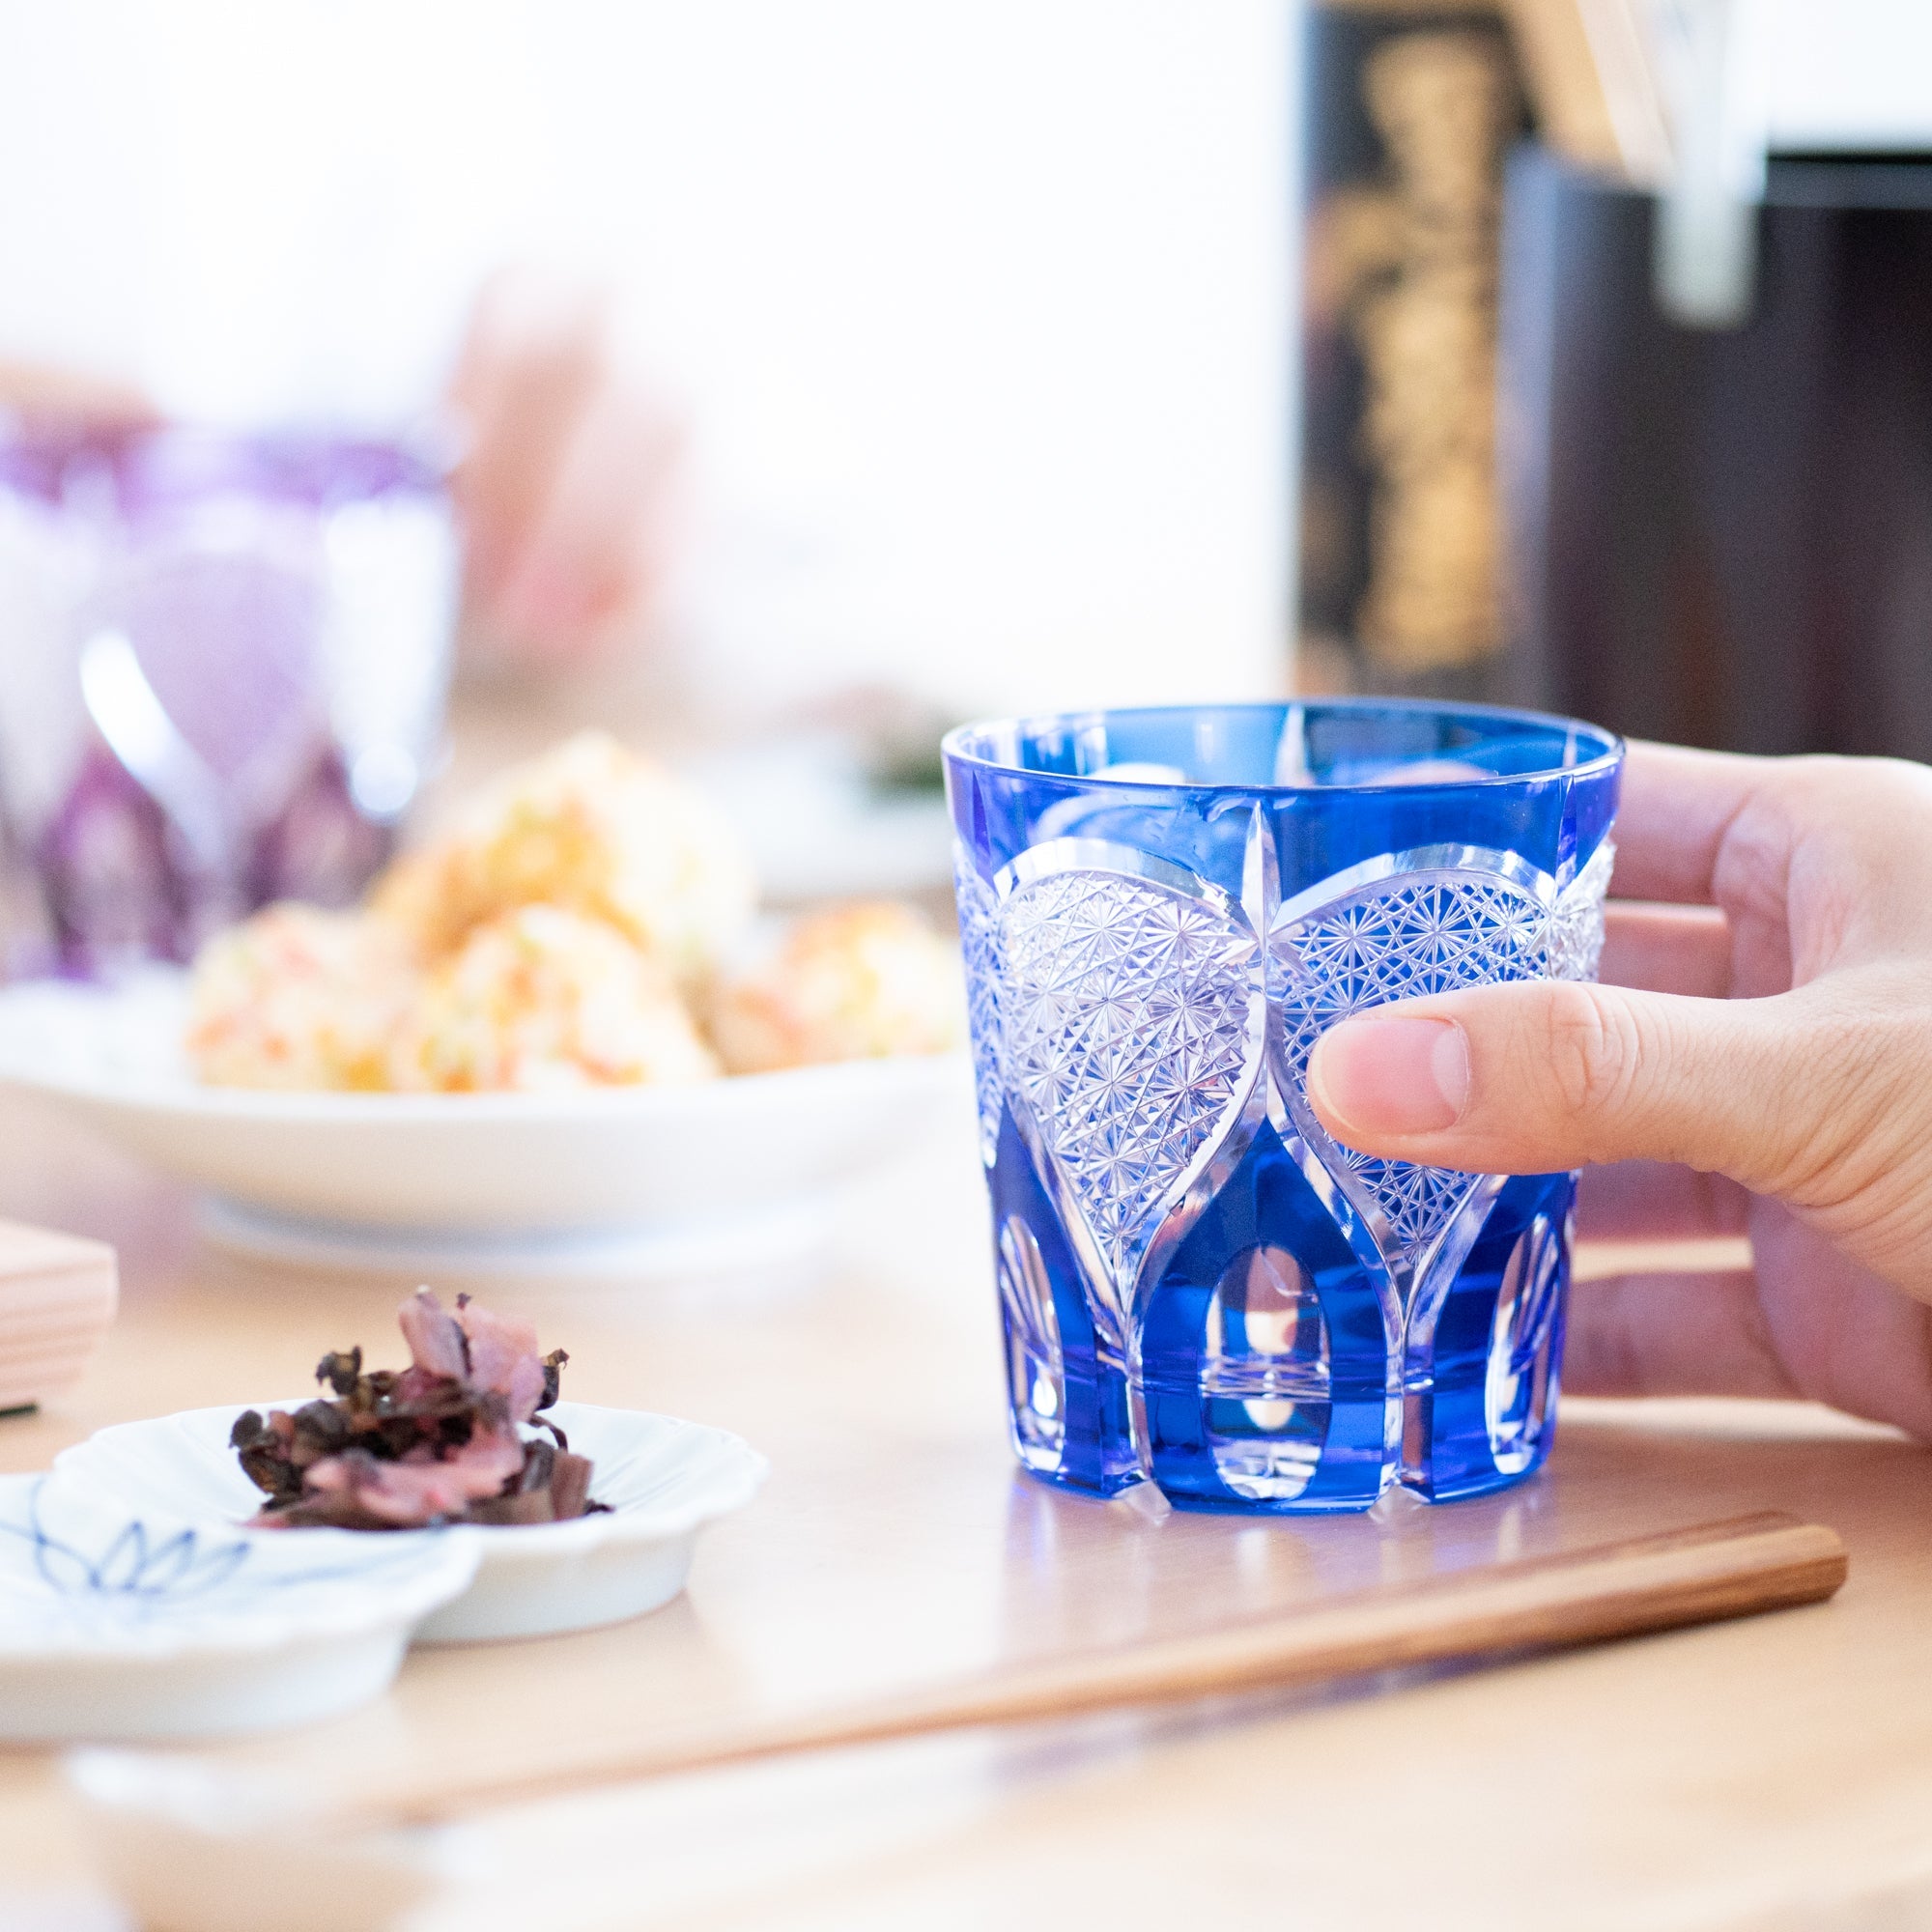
<point>1591,1045</point>
<point>1853,807</point>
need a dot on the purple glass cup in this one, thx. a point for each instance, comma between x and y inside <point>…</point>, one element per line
<point>223,667</point>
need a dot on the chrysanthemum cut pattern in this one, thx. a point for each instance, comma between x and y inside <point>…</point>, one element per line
<point>1127,1009</point>
<point>979,945</point>
<point>1116,1012</point>
<point>1398,940</point>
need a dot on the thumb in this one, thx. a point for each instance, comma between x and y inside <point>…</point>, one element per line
<point>1536,1076</point>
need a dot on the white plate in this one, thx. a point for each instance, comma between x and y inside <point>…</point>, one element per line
<point>754,1244</point>
<point>664,1480</point>
<point>680,1172</point>
<point>118,1620</point>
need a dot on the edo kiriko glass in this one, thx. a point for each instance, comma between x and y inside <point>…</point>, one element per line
<point>1161,911</point>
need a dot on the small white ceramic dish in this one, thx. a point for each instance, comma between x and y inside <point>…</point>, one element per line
<point>680,1177</point>
<point>118,1621</point>
<point>662,1479</point>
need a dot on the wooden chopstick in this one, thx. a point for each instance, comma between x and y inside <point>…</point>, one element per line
<point>1700,1574</point>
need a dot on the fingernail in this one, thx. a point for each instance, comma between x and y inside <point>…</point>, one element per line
<point>1391,1076</point>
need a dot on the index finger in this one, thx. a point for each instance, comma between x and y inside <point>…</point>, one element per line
<point>1676,807</point>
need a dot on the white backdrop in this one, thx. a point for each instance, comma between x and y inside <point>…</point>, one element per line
<point>976,308</point>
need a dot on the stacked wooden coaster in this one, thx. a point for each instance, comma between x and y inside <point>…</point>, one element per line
<point>57,1295</point>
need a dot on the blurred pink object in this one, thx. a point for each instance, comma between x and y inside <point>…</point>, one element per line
<point>567,485</point>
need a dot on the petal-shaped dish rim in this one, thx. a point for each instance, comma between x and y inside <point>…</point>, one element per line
<point>728,1475</point>
<point>395,1594</point>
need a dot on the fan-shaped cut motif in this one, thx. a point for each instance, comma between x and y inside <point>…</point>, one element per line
<point>1129,1040</point>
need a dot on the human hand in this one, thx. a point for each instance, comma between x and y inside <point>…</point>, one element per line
<point>565,488</point>
<point>1759,1061</point>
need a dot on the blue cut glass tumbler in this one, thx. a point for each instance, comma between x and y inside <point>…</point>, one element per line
<point>1161,910</point>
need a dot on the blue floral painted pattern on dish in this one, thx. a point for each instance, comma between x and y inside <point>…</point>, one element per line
<point>662,1478</point>
<point>76,1572</point>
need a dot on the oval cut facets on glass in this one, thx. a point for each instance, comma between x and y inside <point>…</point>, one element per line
<point>1264,1375</point>
<point>1518,1383</point>
<point>1264,1340</point>
<point>1035,1377</point>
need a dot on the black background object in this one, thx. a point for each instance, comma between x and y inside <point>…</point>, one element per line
<point>1723,538</point>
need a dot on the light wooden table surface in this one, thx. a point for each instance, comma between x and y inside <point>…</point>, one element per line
<point>1770,1774</point>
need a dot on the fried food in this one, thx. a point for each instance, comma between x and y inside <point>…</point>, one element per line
<point>596,829</point>
<point>539,999</point>
<point>856,983</point>
<point>568,932</point>
<point>300,998</point>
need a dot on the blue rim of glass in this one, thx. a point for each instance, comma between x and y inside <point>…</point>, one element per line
<point>960,745</point>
